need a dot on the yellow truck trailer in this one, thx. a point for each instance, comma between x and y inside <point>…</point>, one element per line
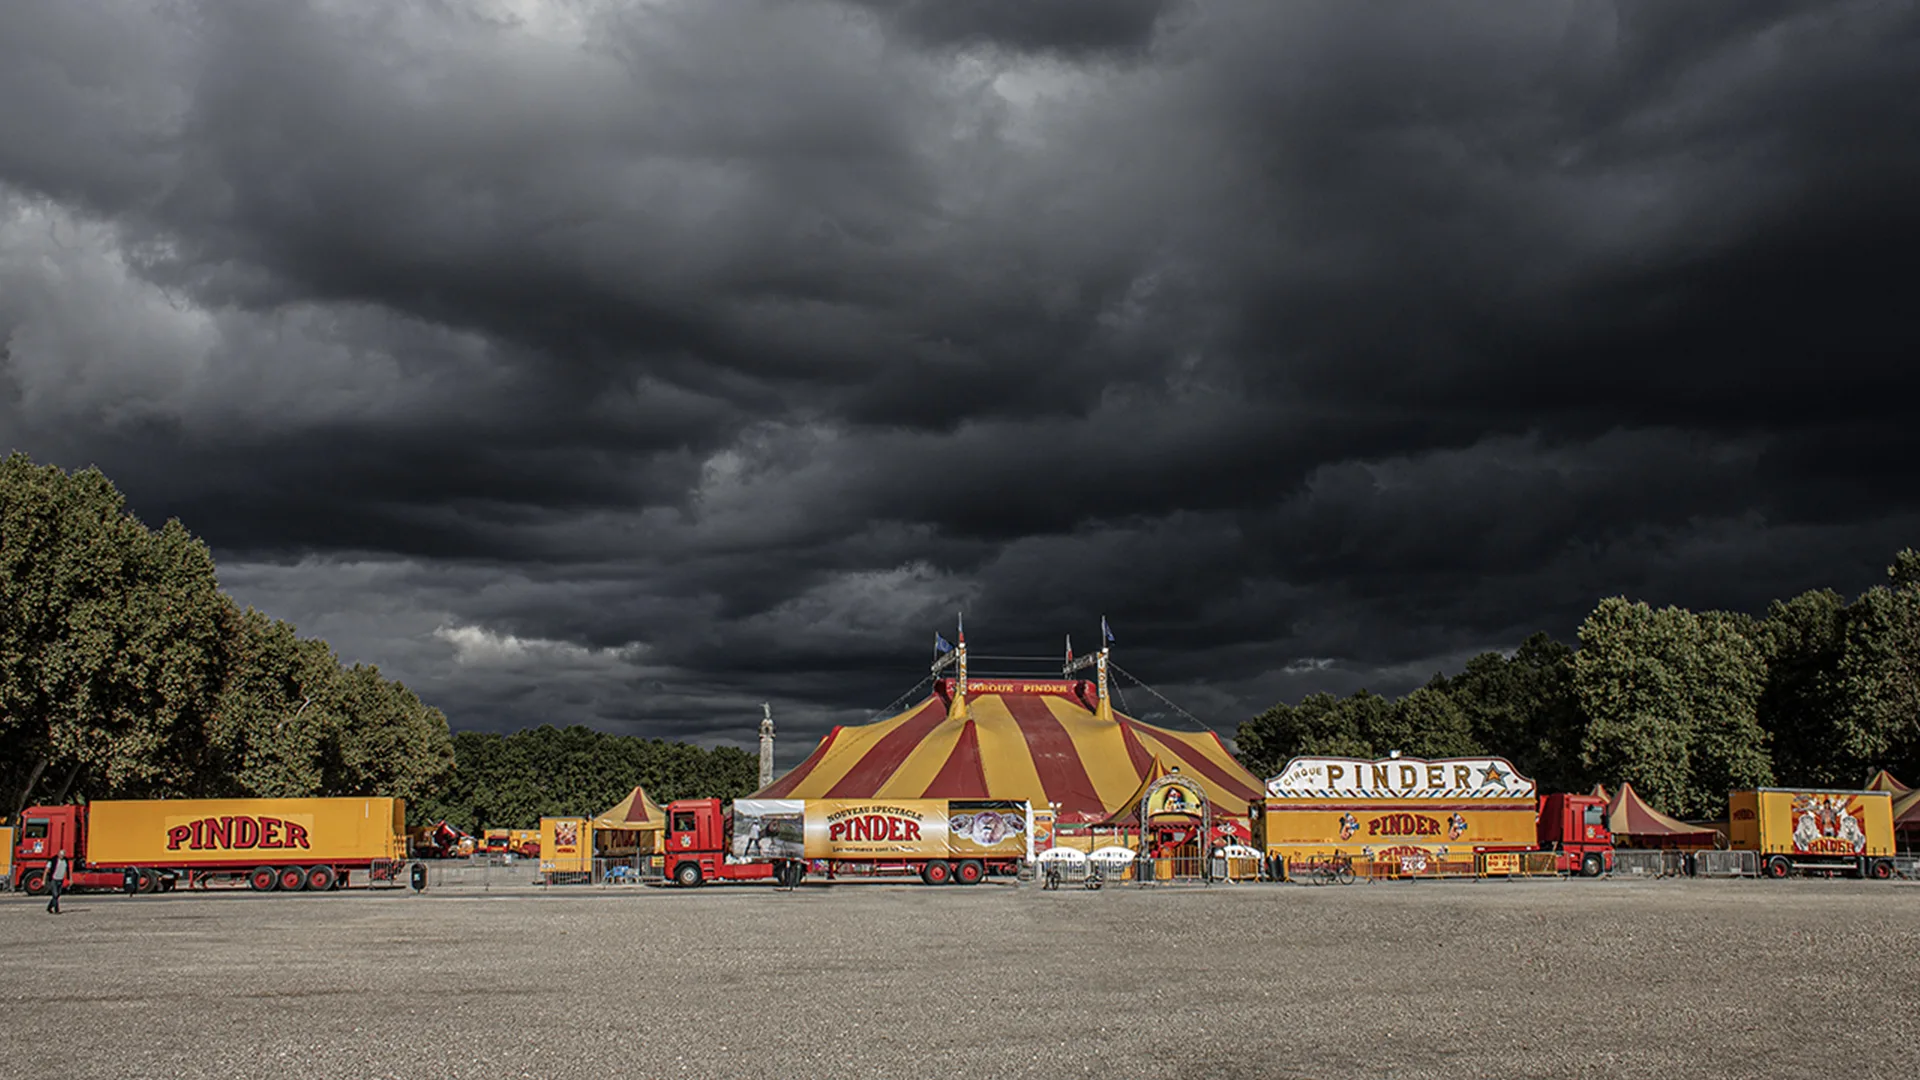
<point>1814,830</point>
<point>152,844</point>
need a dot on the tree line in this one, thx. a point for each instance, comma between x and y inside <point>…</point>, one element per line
<point>512,781</point>
<point>126,673</point>
<point>1685,705</point>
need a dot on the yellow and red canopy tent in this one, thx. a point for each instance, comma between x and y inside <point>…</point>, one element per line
<point>633,822</point>
<point>1046,741</point>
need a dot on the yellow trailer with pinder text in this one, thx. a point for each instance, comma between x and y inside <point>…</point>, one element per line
<point>1410,817</point>
<point>1814,830</point>
<point>145,845</point>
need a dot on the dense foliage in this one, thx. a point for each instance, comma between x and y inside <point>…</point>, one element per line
<point>125,672</point>
<point>511,781</point>
<point>1687,706</point>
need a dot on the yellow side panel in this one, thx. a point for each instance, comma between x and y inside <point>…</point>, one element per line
<point>183,832</point>
<point>1296,830</point>
<point>566,845</point>
<point>1743,820</point>
<point>6,851</point>
<point>1845,823</point>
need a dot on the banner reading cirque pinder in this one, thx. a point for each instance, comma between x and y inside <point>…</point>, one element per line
<point>878,829</point>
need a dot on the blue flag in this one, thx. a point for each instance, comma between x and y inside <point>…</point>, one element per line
<point>1104,632</point>
<point>941,644</point>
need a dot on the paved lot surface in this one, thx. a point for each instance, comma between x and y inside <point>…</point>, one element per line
<point>1548,979</point>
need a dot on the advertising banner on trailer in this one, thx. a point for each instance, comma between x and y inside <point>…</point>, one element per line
<point>885,829</point>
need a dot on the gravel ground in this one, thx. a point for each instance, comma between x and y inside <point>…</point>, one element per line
<point>1490,979</point>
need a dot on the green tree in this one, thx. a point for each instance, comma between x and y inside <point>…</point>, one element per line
<point>1523,708</point>
<point>1320,724</point>
<point>1878,724</point>
<point>1801,705</point>
<point>1671,703</point>
<point>112,643</point>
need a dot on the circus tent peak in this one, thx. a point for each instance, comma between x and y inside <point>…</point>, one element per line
<point>637,812</point>
<point>1884,781</point>
<point>1629,815</point>
<point>1040,740</point>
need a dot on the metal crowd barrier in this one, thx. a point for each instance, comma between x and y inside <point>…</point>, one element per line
<point>1906,866</point>
<point>1726,864</point>
<point>1654,864</point>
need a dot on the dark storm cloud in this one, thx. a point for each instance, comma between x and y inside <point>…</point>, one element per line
<point>633,365</point>
<point>1071,27</point>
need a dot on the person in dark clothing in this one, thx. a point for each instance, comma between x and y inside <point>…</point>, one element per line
<point>56,878</point>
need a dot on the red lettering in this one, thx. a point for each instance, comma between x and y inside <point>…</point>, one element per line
<point>296,835</point>
<point>894,830</point>
<point>178,835</point>
<point>199,835</point>
<point>220,832</point>
<point>269,832</point>
<point>246,832</point>
<point>836,830</point>
<point>912,830</point>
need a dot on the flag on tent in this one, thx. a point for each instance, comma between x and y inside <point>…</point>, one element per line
<point>1069,648</point>
<point>961,620</point>
<point>941,644</point>
<point>1104,631</point>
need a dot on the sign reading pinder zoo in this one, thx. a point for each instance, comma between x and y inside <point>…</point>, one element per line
<point>1409,809</point>
<point>878,829</point>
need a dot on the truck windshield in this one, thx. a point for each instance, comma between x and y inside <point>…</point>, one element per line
<point>683,822</point>
<point>1594,816</point>
<point>35,829</point>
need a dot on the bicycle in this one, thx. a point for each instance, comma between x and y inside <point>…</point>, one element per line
<point>1335,871</point>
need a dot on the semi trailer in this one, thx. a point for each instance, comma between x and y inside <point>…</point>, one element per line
<point>939,840</point>
<point>149,845</point>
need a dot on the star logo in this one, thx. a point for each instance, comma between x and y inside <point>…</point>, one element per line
<point>1492,775</point>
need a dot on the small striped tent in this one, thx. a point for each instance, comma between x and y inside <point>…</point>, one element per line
<point>1041,740</point>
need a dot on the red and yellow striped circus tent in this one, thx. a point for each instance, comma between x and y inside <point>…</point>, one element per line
<point>1041,740</point>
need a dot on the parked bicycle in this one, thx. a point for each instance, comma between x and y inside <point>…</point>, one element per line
<point>1335,871</point>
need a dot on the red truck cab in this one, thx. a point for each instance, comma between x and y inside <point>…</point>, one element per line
<point>44,832</point>
<point>1574,827</point>
<point>696,846</point>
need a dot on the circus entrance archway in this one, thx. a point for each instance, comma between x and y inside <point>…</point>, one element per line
<point>1175,827</point>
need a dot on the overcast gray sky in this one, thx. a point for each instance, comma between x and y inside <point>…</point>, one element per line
<point>632,363</point>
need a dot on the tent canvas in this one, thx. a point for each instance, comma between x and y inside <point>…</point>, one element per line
<point>633,824</point>
<point>1629,817</point>
<point>1044,741</point>
<point>1884,781</point>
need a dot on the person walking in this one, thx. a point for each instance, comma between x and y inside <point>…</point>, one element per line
<point>56,877</point>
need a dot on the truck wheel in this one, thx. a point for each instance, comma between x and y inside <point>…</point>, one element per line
<point>1591,864</point>
<point>969,872</point>
<point>1779,866</point>
<point>936,872</point>
<point>320,878</point>
<point>291,878</point>
<point>1882,869</point>
<point>263,878</point>
<point>145,880</point>
<point>35,882</point>
<point>687,875</point>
